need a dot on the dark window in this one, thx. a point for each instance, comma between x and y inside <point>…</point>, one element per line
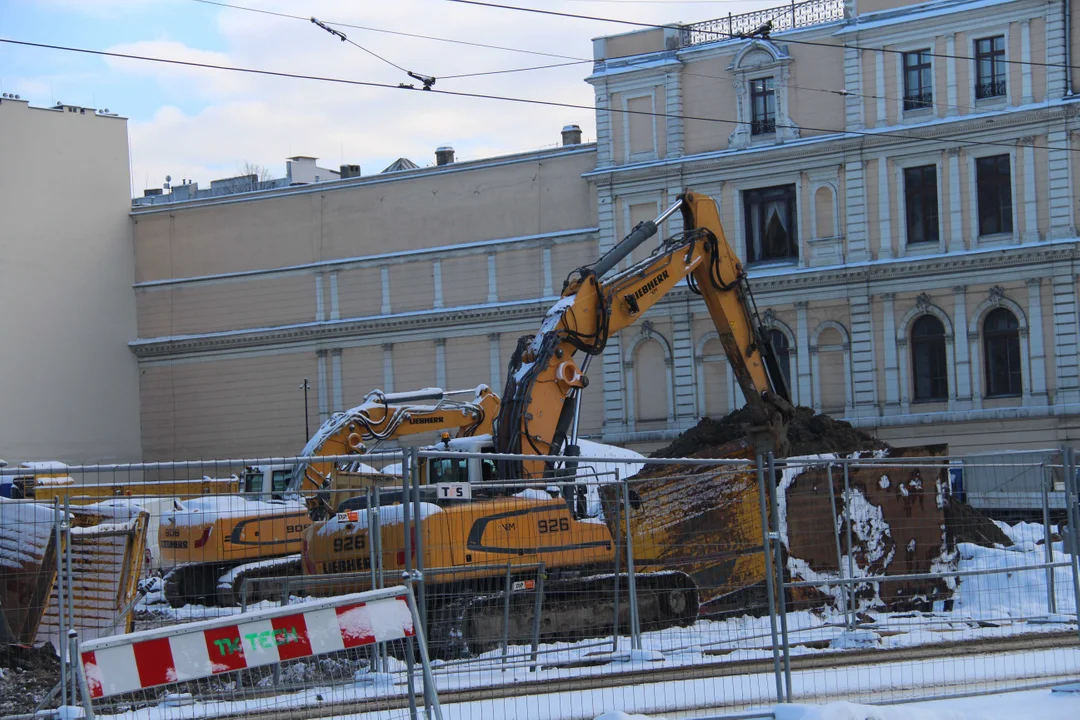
<point>990,67</point>
<point>920,200</point>
<point>770,224</point>
<point>762,106</point>
<point>918,82</point>
<point>995,194</point>
<point>783,354</point>
<point>1001,347</point>
<point>929,367</point>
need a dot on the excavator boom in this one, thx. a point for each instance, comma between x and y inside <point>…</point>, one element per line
<point>544,381</point>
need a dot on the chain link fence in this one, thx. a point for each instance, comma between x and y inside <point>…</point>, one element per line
<point>616,583</point>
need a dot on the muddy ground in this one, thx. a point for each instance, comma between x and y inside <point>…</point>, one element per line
<point>26,677</point>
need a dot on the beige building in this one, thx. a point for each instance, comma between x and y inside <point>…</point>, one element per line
<point>897,178</point>
<point>68,381</point>
<point>411,278</point>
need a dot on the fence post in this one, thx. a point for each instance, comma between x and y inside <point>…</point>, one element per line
<point>431,698</point>
<point>538,608</point>
<point>414,467</point>
<point>631,579</point>
<point>850,545</point>
<point>618,568</point>
<point>1072,509</point>
<point>507,591</point>
<point>781,601</point>
<point>58,533</point>
<point>80,675</point>
<point>836,539</point>
<point>767,553</point>
<point>410,653</point>
<point>377,568</point>
<point>1048,546</point>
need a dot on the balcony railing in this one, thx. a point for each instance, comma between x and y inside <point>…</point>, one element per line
<point>993,88</point>
<point>784,17</point>
<point>763,127</point>
<point>918,101</point>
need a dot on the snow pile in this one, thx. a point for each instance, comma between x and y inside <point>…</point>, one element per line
<point>533,494</point>
<point>620,715</point>
<point>202,510</point>
<point>25,530</point>
<point>388,515</point>
<point>605,471</point>
<point>1018,594</point>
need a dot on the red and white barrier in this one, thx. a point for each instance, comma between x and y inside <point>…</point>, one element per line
<point>147,659</point>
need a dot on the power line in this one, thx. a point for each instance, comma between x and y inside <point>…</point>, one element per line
<point>735,36</point>
<point>396,32</point>
<point>506,98</point>
<point>573,61</point>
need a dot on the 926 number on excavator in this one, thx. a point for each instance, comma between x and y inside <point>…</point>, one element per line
<point>557,524</point>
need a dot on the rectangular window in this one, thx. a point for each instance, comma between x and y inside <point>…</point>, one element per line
<point>763,106</point>
<point>920,200</point>
<point>995,194</point>
<point>918,80</point>
<point>771,226</point>
<point>990,67</point>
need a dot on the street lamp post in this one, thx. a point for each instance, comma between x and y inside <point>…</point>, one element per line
<point>307,423</point>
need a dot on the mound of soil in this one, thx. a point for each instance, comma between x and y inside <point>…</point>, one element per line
<point>967,525</point>
<point>809,433</point>
<point>26,677</point>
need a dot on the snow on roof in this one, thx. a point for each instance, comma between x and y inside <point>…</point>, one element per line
<point>388,515</point>
<point>44,465</point>
<point>25,529</point>
<point>202,510</point>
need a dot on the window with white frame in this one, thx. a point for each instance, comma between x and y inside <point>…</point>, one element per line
<point>990,67</point>
<point>762,106</point>
<point>918,80</point>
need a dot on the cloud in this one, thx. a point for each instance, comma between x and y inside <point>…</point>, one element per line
<point>215,121</point>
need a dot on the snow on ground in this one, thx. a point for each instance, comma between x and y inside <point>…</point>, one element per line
<point>1027,705</point>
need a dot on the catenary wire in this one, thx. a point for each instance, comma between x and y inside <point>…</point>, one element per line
<point>946,139</point>
<point>736,36</point>
<point>417,36</point>
<point>956,106</point>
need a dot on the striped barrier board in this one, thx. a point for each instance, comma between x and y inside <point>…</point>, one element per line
<point>136,661</point>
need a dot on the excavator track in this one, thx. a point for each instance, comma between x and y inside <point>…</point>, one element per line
<point>221,584</point>
<point>571,610</point>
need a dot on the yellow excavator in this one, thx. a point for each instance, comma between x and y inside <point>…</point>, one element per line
<point>470,547</point>
<point>212,543</point>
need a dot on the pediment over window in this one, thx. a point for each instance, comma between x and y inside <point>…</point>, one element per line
<point>758,55</point>
<point>764,65</point>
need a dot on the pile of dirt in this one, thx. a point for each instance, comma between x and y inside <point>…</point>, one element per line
<point>26,677</point>
<point>809,433</point>
<point>965,524</point>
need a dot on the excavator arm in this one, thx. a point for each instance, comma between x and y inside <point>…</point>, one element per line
<point>544,381</point>
<point>388,416</point>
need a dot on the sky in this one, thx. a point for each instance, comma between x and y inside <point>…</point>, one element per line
<point>200,124</point>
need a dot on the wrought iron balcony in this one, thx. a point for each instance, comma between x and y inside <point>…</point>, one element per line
<point>763,127</point>
<point>918,101</point>
<point>783,17</point>
<point>993,88</point>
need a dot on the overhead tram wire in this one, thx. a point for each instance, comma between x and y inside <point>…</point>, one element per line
<point>737,36</point>
<point>572,59</point>
<point>945,139</point>
<point>398,33</point>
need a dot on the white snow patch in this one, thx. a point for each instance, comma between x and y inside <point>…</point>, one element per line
<point>209,509</point>
<point>884,482</point>
<point>388,515</point>
<point>533,494</point>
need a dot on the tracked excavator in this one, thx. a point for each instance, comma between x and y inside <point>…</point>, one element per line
<point>475,549</point>
<point>213,543</point>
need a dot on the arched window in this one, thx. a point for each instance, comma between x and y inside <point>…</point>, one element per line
<point>929,367</point>
<point>783,354</point>
<point>1001,352</point>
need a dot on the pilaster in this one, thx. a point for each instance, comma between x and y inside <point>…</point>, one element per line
<point>335,308</point>
<point>673,101</point>
<point>494,362</point>
<point>963,359</point>
<point>1059,187</point>
<point>440,363</point>
<point>604,138</point>
<point>863,378</point>
<point>320,303</point>
<point>1025,58</point>
<point>853,100</point>
<point>1055,50</point>
<point>950,75</point>
<point>1065,340</point>
<point>801,393</point>
<point>339,394</point>
<point>493,280</point>
<point>388,367</point>
<point>436,279</point>
<point>888,344</point>
<point>879,90</point>
<point>384,279</point>
<point>1036,343</point>
<point>682,350</point>
<point>1026,146</point>
<point>955,241</point>
<point>545,260</point>
<point>614,398</point>
<point>855,188</point>
<point>324,385</point>
<point>885,250</point>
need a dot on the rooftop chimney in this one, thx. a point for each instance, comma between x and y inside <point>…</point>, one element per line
<point>444,155</point>
<point>349,171</point>
<point>571,135</point>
